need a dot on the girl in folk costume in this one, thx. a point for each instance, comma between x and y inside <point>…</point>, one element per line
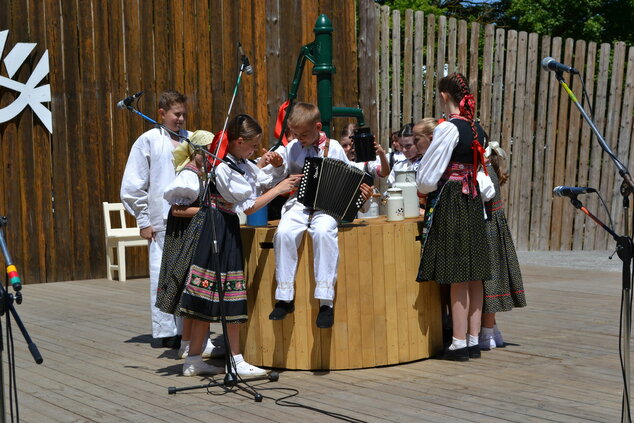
<point>455,249</point>
<point>184,224</point>
<point>231,193</point>
<point>505,289</point>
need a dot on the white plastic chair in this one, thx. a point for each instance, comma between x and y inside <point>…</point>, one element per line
<point>119,238</point>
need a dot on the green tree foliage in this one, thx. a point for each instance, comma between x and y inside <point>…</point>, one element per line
<point>590,20</point>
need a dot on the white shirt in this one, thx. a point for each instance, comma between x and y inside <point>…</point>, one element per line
<point>402,165</point>
<point>184,189</point>
<point>436,159</point>
<point>148,172</point>
<point>240,190</point>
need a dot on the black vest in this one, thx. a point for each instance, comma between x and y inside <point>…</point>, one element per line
<point>463,152</point>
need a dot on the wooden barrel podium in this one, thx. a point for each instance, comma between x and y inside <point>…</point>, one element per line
<point>382,315</point>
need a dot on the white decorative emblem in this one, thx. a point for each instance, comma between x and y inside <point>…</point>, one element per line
<point>30,93</point>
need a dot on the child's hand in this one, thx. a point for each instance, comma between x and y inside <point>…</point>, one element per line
<point>378,149</point>
<point>288,184</point>
<point>275,159</point>
<point>270,157</point>
<point>366,191</point>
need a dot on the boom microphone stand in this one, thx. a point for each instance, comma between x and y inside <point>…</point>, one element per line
<point>231,378</point>
<point>6,303</point>
<point>624,249</point>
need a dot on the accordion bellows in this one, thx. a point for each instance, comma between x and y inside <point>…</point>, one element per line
<point>332,186</point>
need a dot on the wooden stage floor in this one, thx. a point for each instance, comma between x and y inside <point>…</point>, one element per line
<point>561,364</point>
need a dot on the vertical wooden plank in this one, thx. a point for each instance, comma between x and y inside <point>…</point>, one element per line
<point>369,31</point>
<point>379,301</point>
<point>42,155</point>
<point>353,251</point>
<point>487,78</point>
<point>572,153</point>
<point>19,131</point>
<point>596,152</point>
<point>549,151</point>
<point>203,68</point>
<point>506,89</point>
<point>419,38</point>
<point>440,57</point>
<point>560,152</point>
<point>462,51</point>
<point>540,142</point>
<point>519,158</point>
<point>474,50</point>
<point>408,44</point>
<point>385,122</point>
<point>529,142</point>
<point>402,305</point>
<point>391,311</point>
<point>607,167</point>
<point>498,87</point>
<point>276,88</point>
<point>581,237</point>
<point>614,198</point>
<point>452,35</point>
<point>430,65</point>
<point>366,297</point>
<point>396,70</point>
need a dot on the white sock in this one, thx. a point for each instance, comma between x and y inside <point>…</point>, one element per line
<point>495,329</point>
<point>456,344</point>
<point>472,340</point>
<point>329,303</point>
<point>238,358</point>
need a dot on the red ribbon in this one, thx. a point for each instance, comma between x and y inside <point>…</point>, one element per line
<point>281,114</point>
<point>220,152</point>
<point>467,106</point>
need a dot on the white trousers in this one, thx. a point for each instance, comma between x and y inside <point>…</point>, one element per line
<point>163,325</point>
<point>323,231</point>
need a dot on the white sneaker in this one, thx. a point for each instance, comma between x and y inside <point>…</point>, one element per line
<point>245,369</point>
<point>183,350</point>
<point>486,342</point>
<point>213,351</point>
<point>498,339</point>
<point>195,366</point>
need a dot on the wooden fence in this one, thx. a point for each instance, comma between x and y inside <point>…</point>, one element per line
<point>523,107</point>
<point>52,186</point>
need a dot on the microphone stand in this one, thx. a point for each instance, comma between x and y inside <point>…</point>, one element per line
<point>231,378</point>
<point>624,248</point>
<point>6,304</point>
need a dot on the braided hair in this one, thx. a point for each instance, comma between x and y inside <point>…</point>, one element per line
<point>457,87</point>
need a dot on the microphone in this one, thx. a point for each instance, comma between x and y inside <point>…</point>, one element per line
<point>245,60</point>
<point>128,100</point>
<point>571,192</point>
<point>551,64</point>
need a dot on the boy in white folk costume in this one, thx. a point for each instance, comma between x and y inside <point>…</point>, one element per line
<point>305,124</point>
<point>148,172</point>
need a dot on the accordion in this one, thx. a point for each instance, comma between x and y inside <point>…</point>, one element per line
<point>332,186</point>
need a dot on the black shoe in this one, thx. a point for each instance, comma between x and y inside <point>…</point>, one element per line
<point>282,308</point>
<point>326,317</point>
<point>173,342</point>
<point>461,354</point>
<point>474,351</point>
